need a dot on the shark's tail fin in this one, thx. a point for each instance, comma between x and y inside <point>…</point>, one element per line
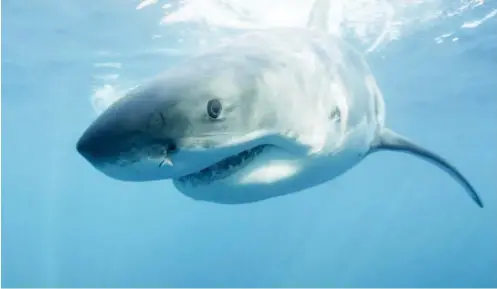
<point>391,141</point>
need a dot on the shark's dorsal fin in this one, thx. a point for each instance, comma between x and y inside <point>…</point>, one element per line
<point>318,17</point>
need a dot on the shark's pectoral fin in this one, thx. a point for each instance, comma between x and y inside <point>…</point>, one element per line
<point>389,140</point>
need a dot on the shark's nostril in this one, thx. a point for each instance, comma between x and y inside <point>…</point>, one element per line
<point>99,144</point>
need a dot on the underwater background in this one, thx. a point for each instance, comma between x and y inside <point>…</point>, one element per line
<point>392,221</point>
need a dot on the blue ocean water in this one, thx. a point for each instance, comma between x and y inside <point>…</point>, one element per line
<point>393,221</point>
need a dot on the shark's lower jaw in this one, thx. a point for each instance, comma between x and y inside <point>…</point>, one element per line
<point>223,168</point>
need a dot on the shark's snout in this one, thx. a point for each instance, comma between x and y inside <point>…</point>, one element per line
<point>107,141</point>
<point>136,138</point>
<point>88,148</point>
<point>126,153</point>
<point>101,144</point>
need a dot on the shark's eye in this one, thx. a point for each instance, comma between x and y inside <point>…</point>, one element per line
<point>214,108</point>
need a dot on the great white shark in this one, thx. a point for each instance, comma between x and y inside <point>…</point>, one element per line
<point>273,112</point>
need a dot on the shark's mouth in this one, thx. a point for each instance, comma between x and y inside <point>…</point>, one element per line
<point>223,168</point>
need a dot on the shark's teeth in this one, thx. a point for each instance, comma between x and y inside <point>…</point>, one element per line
<point>223,168</point>
<point>166,161</point>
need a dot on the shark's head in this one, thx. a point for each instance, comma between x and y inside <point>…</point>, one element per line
<point>199,123</point>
